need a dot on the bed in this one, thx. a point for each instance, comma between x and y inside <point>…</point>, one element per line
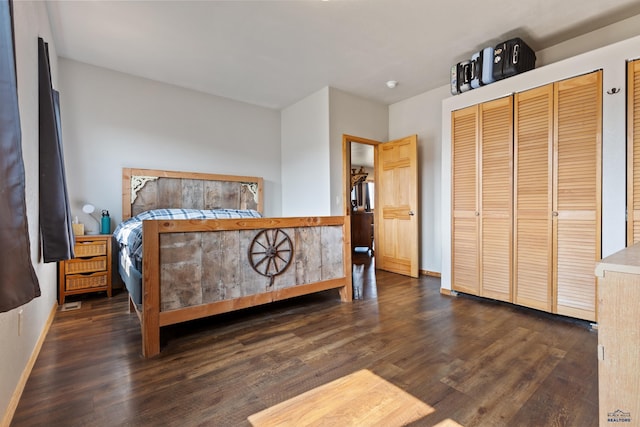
<point>190,265</point>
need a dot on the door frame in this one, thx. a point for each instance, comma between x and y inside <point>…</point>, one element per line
<point>346,175</point>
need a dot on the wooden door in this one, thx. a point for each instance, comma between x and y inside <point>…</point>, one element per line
<point>496,198</point>
<point>577,193</point>
<point>397,206</point>
<point>533,171</point>
<point>465,262</point>
<point>633,152</point>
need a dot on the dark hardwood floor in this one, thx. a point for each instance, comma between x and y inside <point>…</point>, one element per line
<point>477,362</point>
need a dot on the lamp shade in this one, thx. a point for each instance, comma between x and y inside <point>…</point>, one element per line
<point>88,208</point>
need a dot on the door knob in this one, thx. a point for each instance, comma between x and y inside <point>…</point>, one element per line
<point>411,213</point>
<point>554,213</point>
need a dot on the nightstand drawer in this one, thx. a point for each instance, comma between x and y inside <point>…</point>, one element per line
<point>80,281</point>
<point>90,248</point>
<point>87,265</point>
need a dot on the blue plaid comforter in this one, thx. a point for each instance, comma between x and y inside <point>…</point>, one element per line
<point>129,233</point>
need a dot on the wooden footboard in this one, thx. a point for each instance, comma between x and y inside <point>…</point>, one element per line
<point>198,268</point>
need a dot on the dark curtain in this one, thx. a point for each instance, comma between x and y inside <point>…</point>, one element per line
<point>18,280</point>
<point>55,212</point>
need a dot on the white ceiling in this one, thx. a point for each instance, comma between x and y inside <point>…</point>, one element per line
<point>274,53</point>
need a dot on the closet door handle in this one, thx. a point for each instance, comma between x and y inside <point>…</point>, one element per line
<point>554,213</point>
<point>411,213</point>
<point>477,213</point>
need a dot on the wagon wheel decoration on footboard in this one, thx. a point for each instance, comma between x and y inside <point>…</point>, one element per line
<point>270,253</point>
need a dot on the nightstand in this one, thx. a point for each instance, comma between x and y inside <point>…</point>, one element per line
<point>90,270</point>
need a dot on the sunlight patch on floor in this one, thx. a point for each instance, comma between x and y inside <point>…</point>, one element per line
<point>358,399</point>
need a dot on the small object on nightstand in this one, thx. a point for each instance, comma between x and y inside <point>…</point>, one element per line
<point>90,270</point>
<point>78,229</point>
<point>89,209</point>
<point>105,224</point>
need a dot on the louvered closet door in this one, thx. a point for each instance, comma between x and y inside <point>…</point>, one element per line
<point>496,176</point>
<point>533,146</point>
<point>577,198</point>
<point>633,154</point>
<point>464,245</point>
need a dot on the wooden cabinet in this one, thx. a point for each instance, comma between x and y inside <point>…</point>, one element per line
<point>362,229</point>
<point>90,270</point>
<point>527,197</point>
<point>618,338</point>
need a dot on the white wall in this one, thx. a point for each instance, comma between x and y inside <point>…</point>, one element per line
<point>612,60</point>
<point>605,36</point>
<point>31,21</point>
<point>112,120</point>
<point>351,115</point>
<point>312,129</point>
<point>306,156</point>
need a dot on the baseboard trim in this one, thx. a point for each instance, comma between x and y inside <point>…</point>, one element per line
<point>429,273</point>
<point>17,393</point>
<point>446,292</point>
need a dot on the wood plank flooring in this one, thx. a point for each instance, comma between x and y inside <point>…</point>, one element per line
<point>476,362</point>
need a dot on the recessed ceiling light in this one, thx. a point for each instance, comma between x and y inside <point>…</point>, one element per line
<point>391,84</point>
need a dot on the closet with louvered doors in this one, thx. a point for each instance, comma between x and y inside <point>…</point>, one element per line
<point>633,152</point>
<point>526,173</point>
<point>465,261</point>
<point>577,198</point>
<point>482,199</point>
<point>533,181</point>
<point>557,197</point>
<point>496,198</point>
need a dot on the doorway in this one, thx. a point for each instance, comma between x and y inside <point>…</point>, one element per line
<point>362,197</point>
<point>395,197</point>
<point>359,201</point>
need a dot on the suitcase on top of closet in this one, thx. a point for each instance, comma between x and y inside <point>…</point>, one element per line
<point>482,68</point>
<point>512,57</point>
<point>464,76</point>
<point>455,88</point>
<point>461,77</point>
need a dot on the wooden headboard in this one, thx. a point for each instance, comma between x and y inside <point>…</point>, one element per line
<point>145,189</point>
